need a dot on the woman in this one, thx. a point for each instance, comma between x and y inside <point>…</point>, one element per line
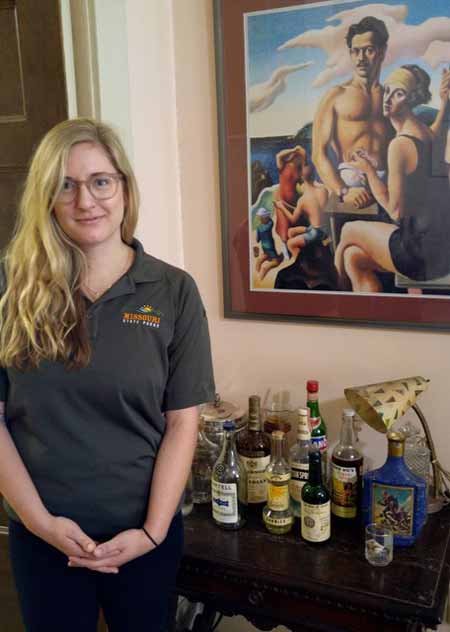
<point>105,355</point>
<point>416,243</point>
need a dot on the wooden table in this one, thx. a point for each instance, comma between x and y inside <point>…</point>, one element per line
<point>274,580</point>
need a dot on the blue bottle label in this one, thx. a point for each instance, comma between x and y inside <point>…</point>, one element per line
<point>393,506</point>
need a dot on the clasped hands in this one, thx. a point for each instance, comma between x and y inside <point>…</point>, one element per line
<point>84,552</point>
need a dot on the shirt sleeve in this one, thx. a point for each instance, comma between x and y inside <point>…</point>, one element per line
<point>4,382</point>
<point>191,379</point>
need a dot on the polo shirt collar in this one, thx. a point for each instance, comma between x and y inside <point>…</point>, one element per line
<point>145,269</point>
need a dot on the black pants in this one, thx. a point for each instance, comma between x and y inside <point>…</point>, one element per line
<point>54,597</point>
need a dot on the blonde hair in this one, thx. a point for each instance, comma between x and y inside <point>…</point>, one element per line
<point>42,309</point>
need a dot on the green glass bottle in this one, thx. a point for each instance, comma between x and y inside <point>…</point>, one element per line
<point>277,514</point>
<point>319,438</point>
<point>316,507</point>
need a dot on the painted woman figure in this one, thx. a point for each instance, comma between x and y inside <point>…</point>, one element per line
<point>417,243</point>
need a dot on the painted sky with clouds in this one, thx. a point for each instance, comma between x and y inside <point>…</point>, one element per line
<point>301,74</point>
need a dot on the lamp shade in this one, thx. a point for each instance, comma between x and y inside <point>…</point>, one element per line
<point>381,404</point>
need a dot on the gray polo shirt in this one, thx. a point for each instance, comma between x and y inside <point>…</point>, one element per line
<point>89,437</point>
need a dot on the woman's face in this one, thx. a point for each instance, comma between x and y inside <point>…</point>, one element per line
<point>89,221</point>
<point>395,100</point>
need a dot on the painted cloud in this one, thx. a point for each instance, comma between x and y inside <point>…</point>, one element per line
<point>429,40</point>
<point>262,95</point>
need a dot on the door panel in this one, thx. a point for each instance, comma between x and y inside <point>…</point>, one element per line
<point>32,100</point>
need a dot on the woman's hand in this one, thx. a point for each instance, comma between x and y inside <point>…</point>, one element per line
<point>363,161</point>
<point>66,536</point>
<point>108,556</point>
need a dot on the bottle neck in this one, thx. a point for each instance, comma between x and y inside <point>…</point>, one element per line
<point>276,449</point>
<point>303,431</point>
<point>315,471</point>
<point>313,405</point>
<point>346,436</point>
<point>396,449</point>
<point>254,424</point>
<point>228,451</point>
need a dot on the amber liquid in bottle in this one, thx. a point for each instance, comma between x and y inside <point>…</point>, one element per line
<point>253,447</point>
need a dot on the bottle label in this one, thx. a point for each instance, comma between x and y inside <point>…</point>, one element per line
<point>278,522</point>
<point>393,506</point>
<point>299,476</point>
<point>315,522</point>
<point>278,496</point>
<point>224,502</point>
<point>256,478</point>
<point>344,491</point>
<point>315,422</point>
<point>321,442</point>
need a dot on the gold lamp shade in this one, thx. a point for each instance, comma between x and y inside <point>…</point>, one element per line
<point>381,404</point>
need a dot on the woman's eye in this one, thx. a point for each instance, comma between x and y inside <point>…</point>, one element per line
<point>102,182</point>
<point>68,185</point>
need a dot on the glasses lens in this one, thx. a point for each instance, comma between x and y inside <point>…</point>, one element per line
<point>102,186</point>
<point>68,190</point>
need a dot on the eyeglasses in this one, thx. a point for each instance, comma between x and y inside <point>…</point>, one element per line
<point>102,186</point>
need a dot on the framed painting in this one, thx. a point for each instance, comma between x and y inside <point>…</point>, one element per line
<point>335,160</point>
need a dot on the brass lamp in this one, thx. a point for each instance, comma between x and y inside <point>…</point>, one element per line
<point>382,404</point>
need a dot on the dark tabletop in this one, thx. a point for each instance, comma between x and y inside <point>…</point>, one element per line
<point>413,587</point>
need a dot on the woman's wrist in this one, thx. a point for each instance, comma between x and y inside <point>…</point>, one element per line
<point>149,536</point>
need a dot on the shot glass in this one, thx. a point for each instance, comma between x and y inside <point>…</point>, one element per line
<point>379,544</point>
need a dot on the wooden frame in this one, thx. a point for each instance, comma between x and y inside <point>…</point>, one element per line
<point>407,303</point>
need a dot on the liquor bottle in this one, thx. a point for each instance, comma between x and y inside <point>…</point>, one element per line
<point>229,484</point>
<point>277,514</point>
<point>346,472</point>
<point>253,447</point>
<point>395,497</point>
<point>319,439</point>
<point>205,457</point>
<point>316,514</point>
<point>299,461</point>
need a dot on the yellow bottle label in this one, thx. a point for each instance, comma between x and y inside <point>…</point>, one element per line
<point>344,491</point>
<point>256,478</point>
<point>278,496</point>
<point>315,522</point>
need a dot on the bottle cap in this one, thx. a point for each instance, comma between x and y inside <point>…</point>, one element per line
<point>303,412</point>
<point>348,412</point>
<point>229,425</point>
<point>278,434</point>
<point>312,386</point>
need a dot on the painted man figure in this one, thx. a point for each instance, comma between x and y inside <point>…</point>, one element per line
<point>350,116</point>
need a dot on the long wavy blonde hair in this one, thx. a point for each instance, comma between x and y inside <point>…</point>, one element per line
<point>42,310</point>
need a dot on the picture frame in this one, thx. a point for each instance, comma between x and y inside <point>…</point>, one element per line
<point>410,304</point>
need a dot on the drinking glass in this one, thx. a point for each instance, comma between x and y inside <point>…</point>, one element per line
<point>379,544</point>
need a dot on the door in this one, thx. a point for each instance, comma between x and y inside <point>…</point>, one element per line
<point>32,100</point>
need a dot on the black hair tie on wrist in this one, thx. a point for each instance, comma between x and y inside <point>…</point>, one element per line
<point>152,540</point>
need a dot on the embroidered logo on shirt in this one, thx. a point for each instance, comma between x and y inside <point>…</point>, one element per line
<point>146,315</point>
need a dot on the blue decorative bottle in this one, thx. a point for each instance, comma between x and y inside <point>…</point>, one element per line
<point>395,497</point>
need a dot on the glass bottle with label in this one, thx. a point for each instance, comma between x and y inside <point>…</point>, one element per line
<point>229,484</point>
<point>299,461</point>
<point>205,456</point>
<point>395,497</point>
<point>319,439</point>
<point>277,513</point>
<point>316,514</point>
<point>346,472</point>
<point>253,447</point>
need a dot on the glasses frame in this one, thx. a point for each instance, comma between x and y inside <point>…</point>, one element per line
<point>117,177</point>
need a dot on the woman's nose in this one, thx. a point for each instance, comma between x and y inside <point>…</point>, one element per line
<point>85,199</point>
